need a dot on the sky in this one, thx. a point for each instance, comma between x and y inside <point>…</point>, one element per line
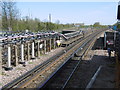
<point>71,12</point>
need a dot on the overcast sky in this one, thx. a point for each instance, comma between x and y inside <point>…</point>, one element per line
<point>71,12</point>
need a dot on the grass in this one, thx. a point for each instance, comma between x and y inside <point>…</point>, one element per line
<point>42,54</point>
<point>0,84</point>
<point>18,68</point>
<point>3,73</point>
<point>30,62</point>
<point>0,73</point>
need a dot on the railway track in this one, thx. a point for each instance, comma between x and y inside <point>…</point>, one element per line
<point>42,73</point>
<point>62,77</point>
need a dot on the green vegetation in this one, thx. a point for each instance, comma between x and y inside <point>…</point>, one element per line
<point>97,25</point>
<point>3,73</point>
<point>18,68</point>
<point>30,62</point>
<point>0,84</point>
<point>0,73</point>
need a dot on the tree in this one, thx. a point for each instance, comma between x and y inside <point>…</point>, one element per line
<point>40,26</point>
<point>9,14</point>
<point>96,24</point>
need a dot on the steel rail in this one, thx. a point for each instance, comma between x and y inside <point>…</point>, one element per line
<point>76,66</point>
<point>59,60</point>
<point>66,62</point>
<point>62,65</point>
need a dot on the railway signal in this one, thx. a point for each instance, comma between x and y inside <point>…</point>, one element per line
<point>118,14</point>
<point>118,17</point>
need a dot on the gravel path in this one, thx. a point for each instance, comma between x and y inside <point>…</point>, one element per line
<point>8,76</point>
